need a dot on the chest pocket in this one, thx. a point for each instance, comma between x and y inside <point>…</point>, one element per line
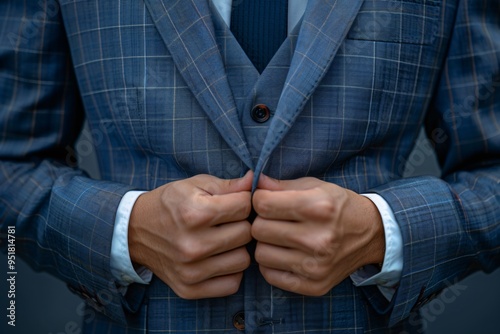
<point>408,21</point>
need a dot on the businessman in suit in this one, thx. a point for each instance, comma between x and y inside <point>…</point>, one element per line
<point>198,121</point>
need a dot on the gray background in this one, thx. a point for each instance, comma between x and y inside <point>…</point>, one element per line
<point>44,305</point>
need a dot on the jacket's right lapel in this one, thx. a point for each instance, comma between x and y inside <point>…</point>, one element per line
<point>187,30</point>
<point>324,27</point>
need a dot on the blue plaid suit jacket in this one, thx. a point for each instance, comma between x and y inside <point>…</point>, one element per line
<point>167,92</point>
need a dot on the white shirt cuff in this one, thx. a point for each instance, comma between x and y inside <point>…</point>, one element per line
<point>387,278</point>
<point>121,265</point>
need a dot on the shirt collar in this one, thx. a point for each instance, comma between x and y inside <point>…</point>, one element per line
<point>296,9</point>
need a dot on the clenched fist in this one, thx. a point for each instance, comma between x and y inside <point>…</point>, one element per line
<point>313,234</point>
<point>192,234</point>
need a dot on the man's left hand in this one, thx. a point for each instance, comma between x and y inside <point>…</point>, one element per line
<point>312,234</point>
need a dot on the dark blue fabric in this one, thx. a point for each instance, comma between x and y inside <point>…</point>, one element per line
<point>260,26</point>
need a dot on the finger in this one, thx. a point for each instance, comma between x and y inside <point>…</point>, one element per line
<point>279,233</point>
<point>216,186</point>
<point>225,237</point>
<point>315,204</point>
<point>224,200</point>
<point>230,207</point>
<point>205,243</point>
<point>284,280</point>
<point>224,264</point>
<point>220,286</point>
<point>231,262</point>
<point>295,283</point>
<point>311,266</point>
<point>210,210</point>
<point>283,205</point>
<point>303,236</point>
<point>281,258</point>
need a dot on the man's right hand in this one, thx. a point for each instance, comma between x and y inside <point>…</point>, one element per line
<point>192,234</point>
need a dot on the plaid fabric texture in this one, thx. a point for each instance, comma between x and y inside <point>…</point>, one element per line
<point>167,93</point>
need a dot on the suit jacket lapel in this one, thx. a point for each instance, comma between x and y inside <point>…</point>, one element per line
<point>187,30</point>
<point>324,27</point>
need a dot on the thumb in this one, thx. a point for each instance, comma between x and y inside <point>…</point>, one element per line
<point>269,183</point>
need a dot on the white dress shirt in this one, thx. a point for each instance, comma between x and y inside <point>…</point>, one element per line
<point>385,278</point>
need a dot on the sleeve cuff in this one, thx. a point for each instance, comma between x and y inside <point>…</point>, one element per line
<point>121,265</point>
<point>388,277</point>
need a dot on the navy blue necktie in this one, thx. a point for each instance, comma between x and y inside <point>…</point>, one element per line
<point>260,26</point>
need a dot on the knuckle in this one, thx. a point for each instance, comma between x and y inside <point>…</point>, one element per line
<point>257,229</point>
<point>313,274</point>
<point>323,290</point>
<point>317,289</point>
<point>241,237</point>
<point>322,243</point>
<point>188,276</point>
<point>259,253</point>
<point>246,230</point>
<point>325,209</point>
<point>190,250</point>
<point>246,206</point>
<point>184,292</point>
<point>244,258</point>
<point>321,273</point>
<point>234,284</point>
<point>191,216</point>
<point>212,187</point>
<point>260,203</point>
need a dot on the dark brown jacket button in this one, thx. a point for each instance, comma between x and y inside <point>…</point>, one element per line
<point>239,321</point>
<point>260,113</point>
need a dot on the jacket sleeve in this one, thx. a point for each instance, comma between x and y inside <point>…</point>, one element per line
<point>451,225</point>
<point>63,219</point>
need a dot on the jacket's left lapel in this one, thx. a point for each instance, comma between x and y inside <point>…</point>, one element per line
<point>187,29</point>
<point>324,27</point>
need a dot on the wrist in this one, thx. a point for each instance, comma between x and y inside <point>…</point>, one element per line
<point>368,216</point>
<point>376,249</point>
<point>136,229</point>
